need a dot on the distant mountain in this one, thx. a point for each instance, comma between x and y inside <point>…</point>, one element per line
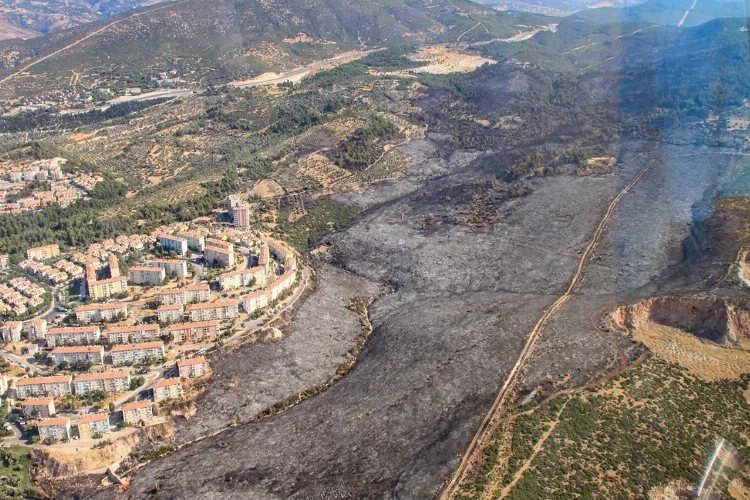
<point>49,17</point>
<point>236,38</point>
<point>554,7</point>
<point>670,12</point>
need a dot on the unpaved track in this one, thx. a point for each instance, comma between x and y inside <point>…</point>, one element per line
<point>82,39</point>
<point>487,428</point>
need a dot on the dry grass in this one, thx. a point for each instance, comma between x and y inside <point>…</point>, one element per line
<point>442,59</point>
<point>705,360</point>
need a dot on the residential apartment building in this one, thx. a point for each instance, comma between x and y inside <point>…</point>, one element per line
<point>221,310</point>
<point>244,277</point>
<point>43,253</point>
<point>216,243</point>
<point>140,411</point>
<point>168,388</point>
<point>195,241</point>
<point>170,313</point>
<point>144,275</point>
<point>11,331</point>
<point>187,295</point>
<point>104,289</point>
<point>54,429</point>
<point>173,268</point>
<point>107,381</point>
<point>114,266</point>
<point>264,257</point>
<point>38,407</point>
<point>254,301</point>
<point>93,354</point>
<point>4,262</point>
<point>241,215</point>
<point>136,353</point>
<point>201,331</point>
<point>279,250</point>
<point>179,245</point>
<point>192,368</point>
<point>279,286</point>
<point>76,335</point>
<point>36,329</point>
<point>44,386</point>
<point>218,257</point>
<point>114,311</point>
<point>92,425</point>
<point>131,334</point>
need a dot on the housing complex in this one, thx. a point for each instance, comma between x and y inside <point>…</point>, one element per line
<point>54,429</point>
<point>221,310</point>
<point>131,334</point>
<point>44,386</point>
<point>38,407</point>
<point>139,411</point>
<point>145,275</point>
<point>108,382</point>
<point>192,368</point>
<point>168,388</point>
<point>93,425</point>
<point>101,312</point>
<point>93,354</point>
<point>73,335</point>
<point>136,353</point>
<point>187,295</point>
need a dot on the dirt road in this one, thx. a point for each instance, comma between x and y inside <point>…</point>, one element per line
<point>487,428</point>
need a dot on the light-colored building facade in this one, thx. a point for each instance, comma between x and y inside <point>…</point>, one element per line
<point>4,262</point>
<point>195,241</point>
<point>44,386</point>
<point>145,275</point>
<point>12,331</point>
<point>187,295</point>
<point>173,268</point>
<point>102,312</point>
<point>36,329</point>
<point>179,245</point>
<point>131,334</point>
<point>168,388</point>
<point>200,331</point>
<point>44,252</point>
<point>108,382</point>
<point>254,301</point>
<point>172,313</point>
<point>192,368</point>
<point>38,407</point>
<point>93,425</point>
<point>136,353</point>
<point>282,284</point>
<point>139,411</point>
<point>75,335</point>
<point>244,277</point>
<point>93,354</point>
<point>221,310</point>
<point>104,289</point>
<point>54,429</point>
<point>218,257</point>
<point>241,215</point>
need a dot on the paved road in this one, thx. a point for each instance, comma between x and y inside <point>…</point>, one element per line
<point>18,360</point>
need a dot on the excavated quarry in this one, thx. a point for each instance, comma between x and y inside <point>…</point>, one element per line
<point>724,321</point>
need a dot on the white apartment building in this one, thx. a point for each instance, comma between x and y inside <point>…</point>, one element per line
<point>131,334</point>
<point>244,277</point>
<point>102,312</point>
<point>55,429</point>
<point>173,268</point>
<point>144,275</point>
<point>76,335</point>
<point>44,386</point>
<point>170,313</point>
<point>136,353</point>
<point>168,388</point>
<point>93,354</point>
<point>221,310</point>
<point>192,368</point>
<point>109,382</point>
<point>140,411</point>
<point>200,331</point>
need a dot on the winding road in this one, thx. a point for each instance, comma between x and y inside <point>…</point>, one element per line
<point>487,429</point>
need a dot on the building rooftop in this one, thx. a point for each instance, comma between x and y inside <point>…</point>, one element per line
<point>142,345</point>
<point>44,380</point>
<point>87,377</point>
<point>192,361</point>
<point>166,382</point>
<point>211,305</point>
<point>47,422</point>
<point>36,402</point>
<point>77,329</point>
<point>196,324</point>
<point>136,406</point>
<point>75,349</point>
<point>95,417</point>
<point>134,328</point>
<point>101,307</point>
<point>171,307</point>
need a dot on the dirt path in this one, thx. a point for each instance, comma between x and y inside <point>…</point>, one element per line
<point>486,430</point>
<point>92,34</point>
<point>537,448</point>
<point>478,24</point>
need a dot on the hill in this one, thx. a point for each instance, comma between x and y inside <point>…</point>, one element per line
<point>240,38</point>
<point>670,12</point>
<point>49,17</point>
<point>554,7</point>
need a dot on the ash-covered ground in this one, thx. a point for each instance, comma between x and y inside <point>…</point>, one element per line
<point>465,299</point>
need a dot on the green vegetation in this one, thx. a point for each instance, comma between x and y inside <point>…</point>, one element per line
<point>15,463</point>
<point>640,430</point>
<point>365,144</point>
<point>325,217</point>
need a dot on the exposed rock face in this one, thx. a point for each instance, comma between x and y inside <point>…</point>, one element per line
<point>718,319</point>
<point>744,270</point>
